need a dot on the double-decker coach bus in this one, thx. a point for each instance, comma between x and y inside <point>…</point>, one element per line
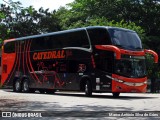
<point>90,59</point>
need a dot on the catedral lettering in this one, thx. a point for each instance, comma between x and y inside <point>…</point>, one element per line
<point>91,59</point>
<point>49,55</point>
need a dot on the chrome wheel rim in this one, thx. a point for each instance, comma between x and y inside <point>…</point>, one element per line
<point>25,86</point>
<point>86,88</point>
<point>17,85</point>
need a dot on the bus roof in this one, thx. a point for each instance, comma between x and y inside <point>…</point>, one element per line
<point>111,27</point>
<point>64,31</point>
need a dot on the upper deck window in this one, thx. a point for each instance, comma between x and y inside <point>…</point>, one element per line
<point>77,38</point>
<point>125,39</point>
<point>99,36</point>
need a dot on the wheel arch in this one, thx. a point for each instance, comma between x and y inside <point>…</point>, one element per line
<point>24,77</point>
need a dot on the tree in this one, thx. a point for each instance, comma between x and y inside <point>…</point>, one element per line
<point>17,21</point>
<point>74,18</point>
<point>153,72</point>
<point>139,15</point>
<point>144,13</point>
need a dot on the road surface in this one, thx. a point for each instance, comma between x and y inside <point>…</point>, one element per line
<point>74,105</point>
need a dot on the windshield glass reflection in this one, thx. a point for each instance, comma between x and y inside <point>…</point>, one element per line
<point>125,39</point>
<point>131,67</point>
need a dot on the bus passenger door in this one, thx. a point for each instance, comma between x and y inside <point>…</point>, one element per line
<point>78,64</point>
<point>104,64</point>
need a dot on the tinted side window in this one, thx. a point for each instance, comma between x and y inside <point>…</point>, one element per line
<point>9,47</point>
<point>69,39</point>
<point>38,44</point>
<point>75,39</point>
<point>99,36</point>
<point>125,38</point>
<point>104,61</point>
<point>45,43</point>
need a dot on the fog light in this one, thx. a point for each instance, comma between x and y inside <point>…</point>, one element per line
<point>118,87</point>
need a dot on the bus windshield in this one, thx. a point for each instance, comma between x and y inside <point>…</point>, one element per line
<point>131,67</point>
<point>125,39</point>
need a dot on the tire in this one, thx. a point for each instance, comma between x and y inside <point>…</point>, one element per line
<point>41,91</point>
<point>32,90</point>
<point>116,94</point>
<point>17,87</point>
<point>88,89</point>
<point>50,91</point>
<point>25,86</point>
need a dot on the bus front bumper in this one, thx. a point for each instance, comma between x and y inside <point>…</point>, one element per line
<point>128,85</point>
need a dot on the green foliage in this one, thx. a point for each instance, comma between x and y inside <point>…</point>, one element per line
<point>2,15</point>
<point>144,13</point>
<point>129,14</point>
<point>151,67</point>
<point>141,16</point>
<point>17,21</point>
<point>153,71</point>
<point>105,22</point>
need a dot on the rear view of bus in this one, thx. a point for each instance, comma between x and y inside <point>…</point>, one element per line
<point>120,59</point>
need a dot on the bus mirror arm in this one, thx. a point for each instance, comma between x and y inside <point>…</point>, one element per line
<point>152,53</point>
<point>115,49</point>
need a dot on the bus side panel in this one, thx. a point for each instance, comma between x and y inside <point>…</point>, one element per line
<point>8,61</point>
<point>60,69</point>
<point>104,61</point>
<point>101,81</point>
<point>28,66</point>
<point>79,64</point>
<point>136,85</point>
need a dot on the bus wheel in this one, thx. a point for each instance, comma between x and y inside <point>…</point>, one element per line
<point>32,90</point>
<point>88,89</point>
<point>50,91</point>
<point>116,94</point>
<point>17,86</point>
<point>25,86</point>
<point>42,91</point>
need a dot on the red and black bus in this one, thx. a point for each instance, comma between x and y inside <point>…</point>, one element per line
<point>90,59</point>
